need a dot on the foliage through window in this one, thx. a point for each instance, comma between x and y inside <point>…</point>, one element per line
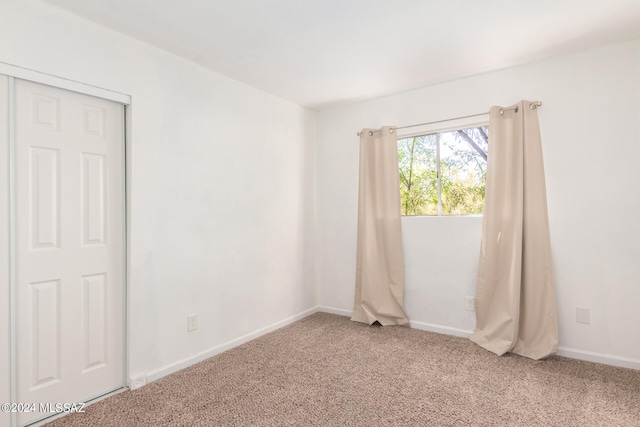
<point>443,173</point>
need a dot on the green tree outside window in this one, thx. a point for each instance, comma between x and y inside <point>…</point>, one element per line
<point>443,173</point>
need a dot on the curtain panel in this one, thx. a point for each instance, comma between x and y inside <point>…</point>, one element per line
<point>515,298</point>
<point>379,265</point>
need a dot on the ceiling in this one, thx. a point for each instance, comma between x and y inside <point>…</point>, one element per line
<point>326,53</point>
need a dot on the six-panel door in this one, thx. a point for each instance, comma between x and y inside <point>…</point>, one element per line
<point>69,194</point>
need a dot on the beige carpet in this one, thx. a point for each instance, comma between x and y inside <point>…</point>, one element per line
<point>328,371</point>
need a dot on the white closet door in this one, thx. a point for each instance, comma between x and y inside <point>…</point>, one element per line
<point>69,245</point>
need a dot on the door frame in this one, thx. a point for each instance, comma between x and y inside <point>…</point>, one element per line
<point>16,72</point>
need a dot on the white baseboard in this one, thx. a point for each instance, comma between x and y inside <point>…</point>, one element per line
<point>332,310</point>
<point>571,353</point>
<point>606,359</point>
<point>439,329</point>
<point>199,357</point>
<point>423,326</point>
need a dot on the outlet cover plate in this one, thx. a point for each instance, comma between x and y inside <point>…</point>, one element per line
<point>192,322</point>
<point>470,303</point>
<point>583,315</point>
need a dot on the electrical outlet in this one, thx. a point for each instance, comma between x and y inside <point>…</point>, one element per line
<point>470,303</point>
<point>583,315</point>
<point>192,322</point>
<point>137,382</point>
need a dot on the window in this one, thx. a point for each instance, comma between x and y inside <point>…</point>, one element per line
<point>443,173</point>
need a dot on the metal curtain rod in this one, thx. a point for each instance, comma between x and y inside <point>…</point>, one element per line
<point>533,105</point>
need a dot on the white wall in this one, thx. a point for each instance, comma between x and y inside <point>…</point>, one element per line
<point>591,142</point>
<point>221,193</point>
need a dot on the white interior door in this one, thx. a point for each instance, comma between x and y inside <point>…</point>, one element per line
<point>69,240</point>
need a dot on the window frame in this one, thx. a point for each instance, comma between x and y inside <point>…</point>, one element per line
<point>437,130</point>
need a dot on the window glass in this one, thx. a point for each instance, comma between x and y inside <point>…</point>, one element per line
<point>443,173</point>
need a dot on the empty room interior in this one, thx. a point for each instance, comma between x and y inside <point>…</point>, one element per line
<point>288,213</point>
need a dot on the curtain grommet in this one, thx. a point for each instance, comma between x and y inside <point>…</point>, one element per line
<point>370,133</point>
<point>501,112</point>
<point>390,130</point>
<point>532,106</point>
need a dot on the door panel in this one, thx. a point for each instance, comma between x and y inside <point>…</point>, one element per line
<point>69,246</point>
<point>44,165</point>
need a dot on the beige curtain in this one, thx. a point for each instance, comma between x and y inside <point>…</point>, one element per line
<point>379,265</point>
<point>515,298</point>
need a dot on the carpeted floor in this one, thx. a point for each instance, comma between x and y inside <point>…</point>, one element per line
<point>328,371</point>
